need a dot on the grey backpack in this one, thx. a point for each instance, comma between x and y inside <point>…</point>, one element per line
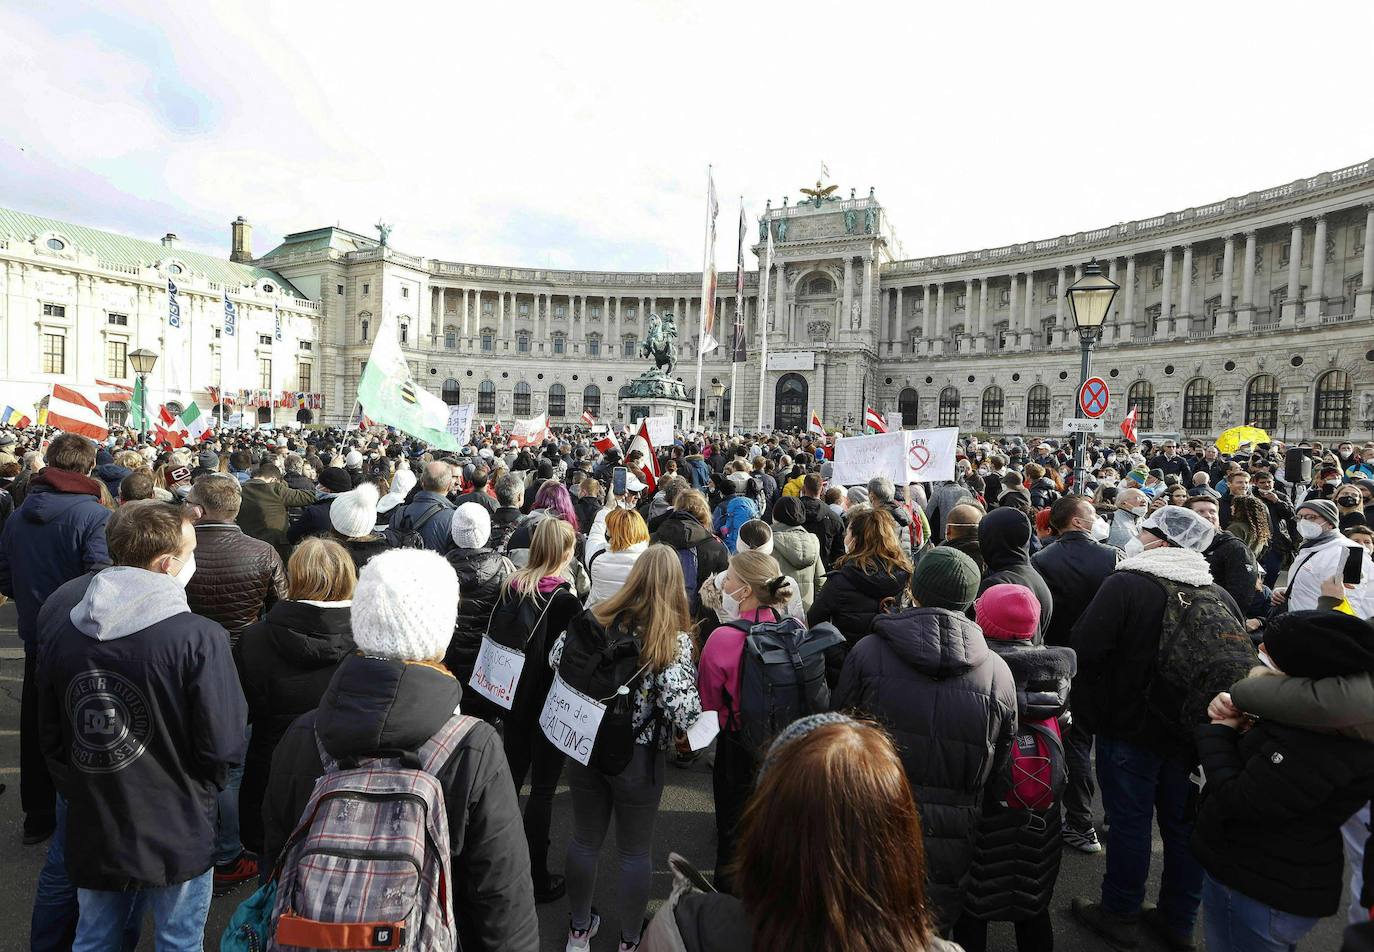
<point>782,676</point>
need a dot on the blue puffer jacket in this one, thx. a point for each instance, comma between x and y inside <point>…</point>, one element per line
<point>734,512</point>
<point>698,471</point>
<point>58,534</point>
<point>111,474</point>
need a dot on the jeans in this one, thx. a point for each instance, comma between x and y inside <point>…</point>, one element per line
<point>1270,563</point>
<point>37,795</point>
<point>529,751</point>
<point>179,914</point>
<point>732,780</point>
<point>1079,788</point>
<point>1139,784</point>
<point>1233,922</point>
<point>1355,834</point>
<point>227,844</point>
<point>633,797</point>
<point>1035,934</point>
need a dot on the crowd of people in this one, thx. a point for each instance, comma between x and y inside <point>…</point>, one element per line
<point>275,661</point>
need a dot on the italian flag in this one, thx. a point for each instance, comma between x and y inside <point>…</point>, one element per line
<point>191,426</point>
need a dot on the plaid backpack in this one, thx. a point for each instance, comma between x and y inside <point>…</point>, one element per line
<point>368,865</point>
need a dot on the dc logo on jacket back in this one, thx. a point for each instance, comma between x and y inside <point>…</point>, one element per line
<point>110,721</point>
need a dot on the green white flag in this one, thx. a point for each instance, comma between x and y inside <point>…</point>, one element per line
<point>195,422</point>
<point>140,421</point>
<point>390,395</point>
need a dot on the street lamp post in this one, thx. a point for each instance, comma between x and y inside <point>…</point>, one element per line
<point>142,361</point>
<point>717,392</point>
<point>1090,301</point>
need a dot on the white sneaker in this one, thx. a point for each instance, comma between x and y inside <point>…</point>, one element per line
<point>581,941</point>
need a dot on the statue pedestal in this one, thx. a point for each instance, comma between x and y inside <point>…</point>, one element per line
<point>634,409</point>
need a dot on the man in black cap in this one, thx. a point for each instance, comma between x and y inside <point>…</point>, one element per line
<point>313,520</point>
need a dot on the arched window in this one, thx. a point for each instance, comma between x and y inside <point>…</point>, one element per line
<point>820,286</point>
<point>486,397</point>
<point>452,393</point>
<point>1038,408</point>
<point>591,399</point>
<point>558,400</point>
<point>993,404</point>
<point>1331,409</point>
<point>450,337</point>
<point>1141,398</point>
<point>522,343</point>
<point>522,399</point>
<point>789,402</point>
<point>1197,405</point>
<point>908,405</point>
<point>949,407</point>
<point>1262,402</point>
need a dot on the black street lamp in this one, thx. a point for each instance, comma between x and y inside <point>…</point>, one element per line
<point>1090,301</point>
<point>142,361</point>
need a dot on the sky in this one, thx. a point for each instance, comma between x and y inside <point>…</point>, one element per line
<point>578,135</point>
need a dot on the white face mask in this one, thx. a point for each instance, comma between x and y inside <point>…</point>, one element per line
<point>1133,547</point>
<point>1100,529</point>
<point>1139,510</point>
<point>1309,529</point>
<point>729,604</point>
<point>188,568</point>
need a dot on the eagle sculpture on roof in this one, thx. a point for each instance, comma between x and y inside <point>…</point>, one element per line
<point>820,193</point>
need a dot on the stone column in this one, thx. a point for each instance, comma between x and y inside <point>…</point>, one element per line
<point>847,299</point>
<point>984,327</point>
<point>865,309</point>
<point>1185,284</point>
<point>618,332</point>
<point>466,328</point>
<point>437,322</point>
<point>1027,331</point>
<point>1226,319</point>
<point>927,321</point>
<point>1060,331</point>
<point>1166,297</point>
<point>898,337</point>
<point>1365,296</point>
<point>500,315</point>
<point>1111,331</point>
<point>1246,314</point>
<point>605,323</point>
<point>780,302</point>
<point>1317,293</point>
<point>937,340</point>
<point>1013,319</point>
<point>1289,315</point>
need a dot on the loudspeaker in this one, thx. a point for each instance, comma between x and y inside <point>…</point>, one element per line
<point>1297,465</point>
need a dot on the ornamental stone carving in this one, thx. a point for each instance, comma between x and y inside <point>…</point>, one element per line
<point>818,330</point>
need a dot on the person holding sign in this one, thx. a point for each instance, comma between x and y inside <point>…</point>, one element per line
<point>512,673</point>
<point>652,608</point>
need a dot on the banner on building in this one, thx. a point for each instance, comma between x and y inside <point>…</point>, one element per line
<point>231,315</point>
<point>173,305</point>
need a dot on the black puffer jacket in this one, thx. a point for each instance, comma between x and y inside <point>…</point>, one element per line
<point>503,523</point>
<point>1016,854</point>
<point>950,705</point>
<point>1004,542</point>
<point>1233,567</point>
<point>822,523</point>
<point>374,705</point>
<point>1272,809</point>
<point>285,663</point>
<point>480,574</point>
<point>681,531</point>
<point>1073,567</point>
<point>851,599</point>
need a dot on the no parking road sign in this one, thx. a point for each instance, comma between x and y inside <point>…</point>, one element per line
<point>1092,397</point>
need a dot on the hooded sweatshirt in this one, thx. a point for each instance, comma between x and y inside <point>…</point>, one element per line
<point>1004,543</point>
<point>141,718</point>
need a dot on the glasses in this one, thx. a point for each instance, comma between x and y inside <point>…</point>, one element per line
<point>1308,517</point>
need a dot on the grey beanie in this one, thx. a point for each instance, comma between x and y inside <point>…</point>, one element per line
<point>1324,508</point>
<point>798,729</point>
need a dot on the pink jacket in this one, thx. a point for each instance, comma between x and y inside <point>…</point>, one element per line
<point>718,672</point>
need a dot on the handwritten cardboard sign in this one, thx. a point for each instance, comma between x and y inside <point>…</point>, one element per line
<point>570,720</point>
<point>496,674</point>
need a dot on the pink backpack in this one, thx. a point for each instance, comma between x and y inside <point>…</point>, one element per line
<point>1038,769</point>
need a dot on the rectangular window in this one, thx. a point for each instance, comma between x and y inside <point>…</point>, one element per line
<point>116,353</point>
<point>488,307</point>
<point>1218,263</point>
<point>307,345</point>
<point>628,347</point>
<point>1159,275</point>
<point>54,310</point>
<point>596,310</point>
<point>303,382</point>
<point>118,320</point>
<point>405,292</point>
<point>54,353</point>
<point>340,287</point>
<point>594,346</point>
<point>265,373</point>
<point>522,344</point>
<point>367,289</point>
<point>560,345</point>
<point>959,302</point>
<point>487,342</point>
<point>265,340</point>
<point>217,333</point>
<point>559,310</point>
<point>1285,252</point>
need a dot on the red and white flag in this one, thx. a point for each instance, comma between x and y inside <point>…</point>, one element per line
<point>170,429</point>
<point>605,444</point>
<point>642,443</point>
<point>875,420</point>
<point>587,418</point>
<point>111,392</point>
<point>73,412</point>
<point>1128,425</point>
<point>530,432</point>
<point>815,426</point>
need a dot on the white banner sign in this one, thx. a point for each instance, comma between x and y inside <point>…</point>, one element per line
<point>793,360</point>
<point>496,672</point>
<point>904,456</point>
<point>460,422</point>
<point>529,432</point>
<point>660,431</point>
<point>570,720</point>
<point>233,421</point>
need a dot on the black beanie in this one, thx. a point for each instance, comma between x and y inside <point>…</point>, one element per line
<point>1320,644</point>
<point>789,511</point>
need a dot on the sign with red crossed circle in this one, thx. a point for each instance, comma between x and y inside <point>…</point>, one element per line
<point>1092,397</point>
<point>918,457</point>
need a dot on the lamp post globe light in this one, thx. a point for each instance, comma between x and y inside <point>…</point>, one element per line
<point>142,361</point>
<point>1090,301</point>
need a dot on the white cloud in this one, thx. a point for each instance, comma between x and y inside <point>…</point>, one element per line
<point>577,135</point>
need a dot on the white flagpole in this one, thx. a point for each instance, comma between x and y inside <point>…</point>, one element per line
<point>706,292</point>
<point>734,370</point>
<point>765,279</point>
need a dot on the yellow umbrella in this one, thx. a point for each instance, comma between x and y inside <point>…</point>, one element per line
<point>1236,437</point>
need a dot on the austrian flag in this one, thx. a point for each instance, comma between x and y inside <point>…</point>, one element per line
<point>875,420</point>
<point>587,418</point>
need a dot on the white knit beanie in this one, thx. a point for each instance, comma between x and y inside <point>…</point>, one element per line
<point>401,484</point>
<point>354,513</point>
<point>405,605</point>
<point>354,460</point>
<point>471,526</point>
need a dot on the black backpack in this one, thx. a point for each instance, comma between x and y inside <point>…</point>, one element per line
<point>521,622</point>
<point>782,675</point>
<point>603,663</point>
<point>406,536</point>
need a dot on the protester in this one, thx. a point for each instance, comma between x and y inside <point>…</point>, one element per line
<point>285,661</point>
<point>481,573</point>
<point>428,511</point>
<point>1004,541</point>
<point>927,674</point>
<point>870,579</point>
<point>797,550</point>
<point>1131,507</point>
<point>961,531</point>
<point>737,508</point>
<point>617,540</point>
<point>820,521</point>
<point>393,695</point>
<point>263,511</point>
<point>353,516</point>
<point>687,529</point>
<point>313,520</point>
<point>1321,555</point>
<point>509,492</point>
<point>1232,564</point>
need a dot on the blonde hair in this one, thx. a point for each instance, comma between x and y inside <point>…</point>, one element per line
<point>625,527</point>
<point>653,604</point>
<point>551,544</point>
<point>131,459</point>
<point>763,576</point>
<point>320,570</point>
<point>694,504</point>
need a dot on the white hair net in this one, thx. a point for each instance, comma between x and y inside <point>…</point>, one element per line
<point>1183,527</point>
